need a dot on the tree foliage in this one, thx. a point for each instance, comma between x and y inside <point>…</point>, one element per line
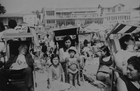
<point>2,9</point>
<point>37,13</point>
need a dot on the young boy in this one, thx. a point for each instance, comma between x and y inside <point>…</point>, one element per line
<point>72,66</point>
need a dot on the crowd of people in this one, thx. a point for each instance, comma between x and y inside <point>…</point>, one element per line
<point>65,66</point>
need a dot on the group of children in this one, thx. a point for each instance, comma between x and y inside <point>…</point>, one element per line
<point>68,78</point>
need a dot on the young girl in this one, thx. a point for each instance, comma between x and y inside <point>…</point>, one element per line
<point>72,66</point>
<point>56,74</point>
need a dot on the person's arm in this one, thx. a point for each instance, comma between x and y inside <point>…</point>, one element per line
<point>62,73</point>
<point>67,64</point>
<point>119,58</point>
<point>30,61</point>
<point>9,62</point>
<point>121,86</point>
<point>61,55</point>
<point>50,76</point>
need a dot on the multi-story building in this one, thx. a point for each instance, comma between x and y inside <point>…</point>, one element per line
<point>117,17</point>
<point>60,17</point>
<point>116,8</point>
<point>116,14</point>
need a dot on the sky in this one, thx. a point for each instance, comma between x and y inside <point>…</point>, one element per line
<point>25,6</point>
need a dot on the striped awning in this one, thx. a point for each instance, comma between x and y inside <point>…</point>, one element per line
<point>123,28</point>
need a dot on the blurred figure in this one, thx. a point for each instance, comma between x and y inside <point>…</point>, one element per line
<point>23,64</point>
<point>2,28</point>
<point>2,45</point>
<point>130,81</point>
<point>87,47</point>
<point>12,24</point>
<point>127,43</point>
<point>105,62</point>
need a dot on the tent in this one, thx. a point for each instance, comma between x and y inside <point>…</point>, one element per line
<point>94,28</point>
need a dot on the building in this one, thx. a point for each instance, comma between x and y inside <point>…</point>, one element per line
<point>117,17</point>
<point>135,16</point>
<point>115,14</point>
<point>61,17</point>
<point>117,8</point>
<point>6,17</point>
<point>30,19</point>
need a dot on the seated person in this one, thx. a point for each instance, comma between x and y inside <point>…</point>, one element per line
<point>23,63</point>
<point>105,62</point>
<point>131,81</point>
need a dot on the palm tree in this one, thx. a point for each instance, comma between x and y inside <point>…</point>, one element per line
<point>2,9</point>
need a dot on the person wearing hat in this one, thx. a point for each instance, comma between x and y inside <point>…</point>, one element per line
<point>72,66</point>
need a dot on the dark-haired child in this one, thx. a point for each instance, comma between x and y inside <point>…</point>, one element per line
<point>56,75</point>
<point>72,66</point>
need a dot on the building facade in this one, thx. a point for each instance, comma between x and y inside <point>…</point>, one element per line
<point>117,17</point>
<point>6,17</point>
<point>61,17</point>
<point>135,16</point>
<point>30,19</point>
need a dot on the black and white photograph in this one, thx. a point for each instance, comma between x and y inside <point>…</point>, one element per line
<point>69,45</point>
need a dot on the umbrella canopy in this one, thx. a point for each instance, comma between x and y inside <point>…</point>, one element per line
<point>94,28</point>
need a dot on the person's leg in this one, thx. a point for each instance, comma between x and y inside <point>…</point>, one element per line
<point>65,72</point>
<point>70,79</point>
<point>105,78</point>
<point>4,75</point>
<point>76,79</point>
<point>101,76</point>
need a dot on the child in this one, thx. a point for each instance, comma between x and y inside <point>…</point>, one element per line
<point>72,66</point>
<point>56,74</point>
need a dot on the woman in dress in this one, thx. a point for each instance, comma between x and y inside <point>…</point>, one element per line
<point>63,54</point>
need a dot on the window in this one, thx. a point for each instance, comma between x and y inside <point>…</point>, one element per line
<point>125,17</point>
<point>119,8</point>
<point>50,21</point>
<point>50,13</point>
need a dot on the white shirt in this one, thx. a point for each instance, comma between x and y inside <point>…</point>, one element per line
<point>20,63</point>
<point>11,31</point>
<point>21,58</point>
